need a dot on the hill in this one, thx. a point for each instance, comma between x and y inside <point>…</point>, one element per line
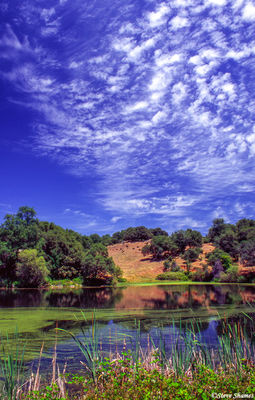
<point>139,268</point>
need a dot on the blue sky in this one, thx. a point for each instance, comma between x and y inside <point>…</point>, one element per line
<point>117,114</point>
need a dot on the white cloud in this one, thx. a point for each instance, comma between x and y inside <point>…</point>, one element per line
<point>74,64</point>
<point>166,59</point>
<point>136,106</point>
<point>160,115</point>
<point>179,22</point>
<point>216,2</point>
<point>115,219</point>
<point>249,12</point>
<point>179,92</point>
<point>158,17</point>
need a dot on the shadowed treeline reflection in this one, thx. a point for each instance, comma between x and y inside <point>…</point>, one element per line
<point>82,298</point>
<point>133,297</point>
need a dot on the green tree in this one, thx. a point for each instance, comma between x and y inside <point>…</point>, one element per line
<point>31,269</point>
<point>228,243</point>
<point>192,254</point>
<point>7,265</point>
<point>20,230</point>
<point>158,232</point>
<point>98,268</point>
<point>193,238</point>
<point>219,255</point>
<point>247,252</point>
<point>139,233</point>
<point>180,240</point>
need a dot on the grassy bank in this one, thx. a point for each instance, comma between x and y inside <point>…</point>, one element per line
<point>174,283</point>
<point>119,380</point>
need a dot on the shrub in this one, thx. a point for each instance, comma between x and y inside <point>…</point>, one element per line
<point>31,269</point>
<point>231,275</point>
<point>192,254</point>
<point>219,255</point>
<point>172,276</point>
<point>201,276</point>
<point>170,265</point>
<point>174,267</point>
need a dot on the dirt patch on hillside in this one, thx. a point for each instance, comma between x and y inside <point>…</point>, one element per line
<point>136,267</point>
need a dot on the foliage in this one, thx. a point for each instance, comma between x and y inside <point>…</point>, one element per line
<point>140,233</point>
<point>201,275</point>
<point>99,270</point>
<point>136,234</point>
<point>159,247</point>
<point>70,255</point>
<point>11,368</point>
<point>31,269</point>
<point>97,267</point>
<point>193,238</point>
<point>217,229</point>
<point>171,266</point>
<point>219,255</point>
<point>192,254</point>
<point>230,276</point>
<point>158,232</point>
<point>120,379</point>
<point>172,276</point>
<point>228,243</point>
<point>247,252</point>
<point>217,269</point>
<point>165,246</point>
<point>191,372</point>
<point>62,251</point>
<point>65,252</point>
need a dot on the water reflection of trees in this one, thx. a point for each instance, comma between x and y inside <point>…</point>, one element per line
<point>84,298</point>
<point>158,297</point>
<point>22,298</point>
<point>200,296</point>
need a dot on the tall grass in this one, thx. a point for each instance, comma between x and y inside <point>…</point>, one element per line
<point>186,355</point>
<point>11,367</point>
<point>186,349</point>
<point>89,346</point>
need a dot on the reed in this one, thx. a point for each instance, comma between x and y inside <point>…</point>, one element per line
<point>11,367</point>
<point>89,346</point>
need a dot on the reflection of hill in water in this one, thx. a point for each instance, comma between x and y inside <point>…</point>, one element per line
<point>132,297</point>
<point>178,297</point>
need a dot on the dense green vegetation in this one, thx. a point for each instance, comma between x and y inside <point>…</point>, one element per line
<point>34,253</point>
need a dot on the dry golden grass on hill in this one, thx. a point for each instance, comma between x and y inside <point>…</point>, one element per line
<point>138,268</point>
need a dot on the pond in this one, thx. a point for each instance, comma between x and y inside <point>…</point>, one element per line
<point>156,310</point>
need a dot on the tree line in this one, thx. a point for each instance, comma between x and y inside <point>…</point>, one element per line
<point>34,252</point>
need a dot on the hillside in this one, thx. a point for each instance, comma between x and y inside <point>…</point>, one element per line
<point>136,267</point>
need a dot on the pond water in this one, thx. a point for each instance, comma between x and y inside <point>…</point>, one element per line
<point>119,311</point>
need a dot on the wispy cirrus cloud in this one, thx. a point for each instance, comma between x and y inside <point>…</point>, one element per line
<point>156,104</point>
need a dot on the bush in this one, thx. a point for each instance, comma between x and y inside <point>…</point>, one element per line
<point>191,255</point>
<point>231,275</point>
<point>172,276</point>
<point>31,269</point>
<point>219,255</point>
<point>201,276</point>
<point>170,265</point>
<point>174,267</point>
